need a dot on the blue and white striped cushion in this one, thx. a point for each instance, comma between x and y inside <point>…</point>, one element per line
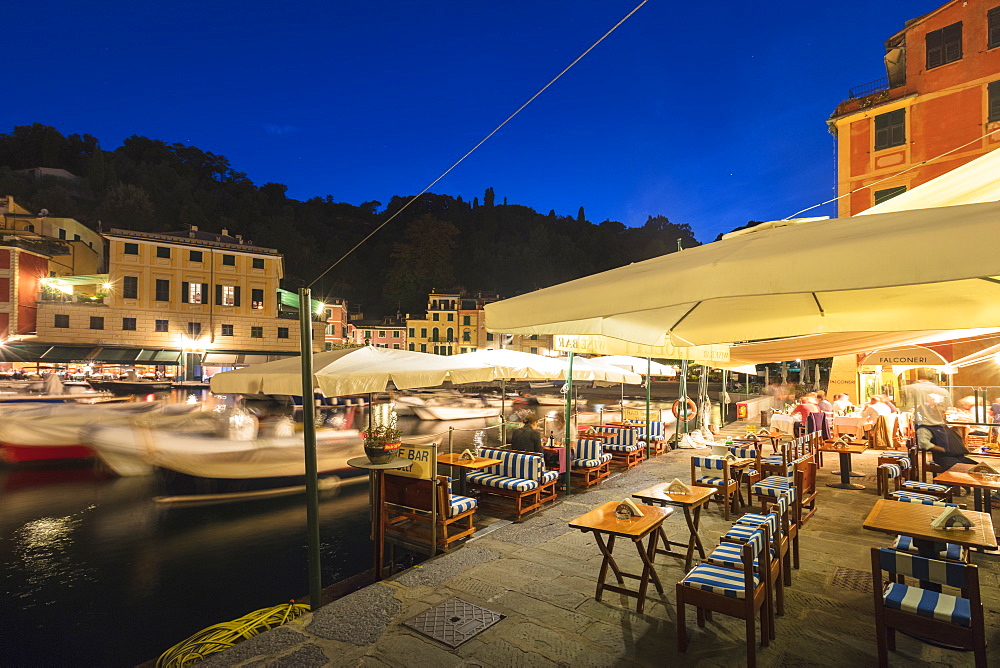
<point>750,473</point>
<point>930,604</point>
<point>944,550</point>
<point>729,555</point>
<point>622,435</point>
<point>590,463</point>
<point>891,470</point>
<point>773,459</point>
<point>588,448</point>
<point>725,581</point>
<point>513,464</point>
<point>774,485</point>
<point>925,499</point>
<point>913,497</point>
<point>709,480</point>
<point>744,453</point>
<point>459,504</point>
<point>742,533</point>
<point>709,463</point>
<point>502,481</point>
<point>620,448</point>
<point>917,486</point>
<point>756,519</point>
<point>900,458</point>
<point>930,570</point>
<point>549,476</point>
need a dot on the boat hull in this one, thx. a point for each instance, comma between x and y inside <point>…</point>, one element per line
<point>429,412</point>
<point>17,454</point>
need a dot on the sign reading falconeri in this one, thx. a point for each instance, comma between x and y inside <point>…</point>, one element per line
<point>909,356</point>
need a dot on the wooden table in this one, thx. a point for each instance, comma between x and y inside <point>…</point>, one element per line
<point>466,465</point>
<point>602,522</point>
<point>775,436</point>
<point>914,520</point>
<point>376,498</point>
<point>739,466</point>
<point>981,483</point>
<point>845,464</point>
<point>691,504</point>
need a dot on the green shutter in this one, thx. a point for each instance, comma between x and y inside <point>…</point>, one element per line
<point>236,296</point>
<point>184,292</point>
<point>218,295</point>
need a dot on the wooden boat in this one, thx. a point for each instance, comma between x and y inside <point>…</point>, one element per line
<point>132,386</point>
<point>456,410</point>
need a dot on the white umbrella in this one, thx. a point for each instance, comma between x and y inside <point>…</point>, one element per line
<point>527,366</point>
<point>910,270</point>
<point>638,365</point>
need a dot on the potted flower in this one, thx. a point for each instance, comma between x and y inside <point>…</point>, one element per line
<point>382,443</point>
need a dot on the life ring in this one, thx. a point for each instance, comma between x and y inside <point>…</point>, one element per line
<point>692,409</point>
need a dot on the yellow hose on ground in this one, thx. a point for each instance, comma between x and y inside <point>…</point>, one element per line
<point>223,636</point>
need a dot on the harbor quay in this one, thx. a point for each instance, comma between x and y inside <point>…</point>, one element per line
<point>541,575</point>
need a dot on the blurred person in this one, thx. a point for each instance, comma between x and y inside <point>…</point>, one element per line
<point>842,403</point>
<point>929,403</point>
<point>822,403</point>
<point>875,407</point>
<point>801,413</point>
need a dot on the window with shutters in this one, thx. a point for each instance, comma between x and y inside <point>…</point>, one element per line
<point>195,293</point>
<point>128,324</point>
<point>944,46</point>
<point>257,298</point>
<point>227,295</point>
<point>888,193</point>
<point>227,330</point>
<point>162,326</point>
<point>162,290</point>
<point>993,28</point>
<point>130,287</point>
<point>993,101</point>
<point>890,129</point>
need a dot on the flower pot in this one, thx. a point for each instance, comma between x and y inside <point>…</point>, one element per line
<point>383,453</point>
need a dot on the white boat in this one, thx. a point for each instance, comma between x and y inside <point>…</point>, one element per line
<point>37,432</point>
<point>135,449</point>
<point>462,410</point>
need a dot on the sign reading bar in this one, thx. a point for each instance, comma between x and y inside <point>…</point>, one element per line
<point>422,456</point>
<point>910,356</point>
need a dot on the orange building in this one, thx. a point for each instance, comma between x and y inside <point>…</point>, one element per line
<point>941,95</point>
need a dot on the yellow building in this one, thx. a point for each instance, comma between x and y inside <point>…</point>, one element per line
<point>188,297</point>
<point>436,331</point>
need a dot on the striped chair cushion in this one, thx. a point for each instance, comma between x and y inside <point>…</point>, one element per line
<point>724,581</point>
<point>709,480</point>
<point>744,453</point>
<point>728,555</point>
<point>773,459</point>
<point>459,504</point>
<point>621,448</point>
<point>710,463</point>
<point>930,570</point>
<point>926,499</point>
<point>513,464</point>
<point>756,519</point>
<point>914,497</point>
<point>901,458</point>
<point>930,604</point>
<point>622,435</point>
<point>502,481</point>
<point>944,550</point>
<point>590,463</point>
<point>588,448</point>
<point>891,470</point>
<point>917,486</point>
<point>549,476</point>
<point>750,473</point>
<point>742,533</point>
<point>774,485</point>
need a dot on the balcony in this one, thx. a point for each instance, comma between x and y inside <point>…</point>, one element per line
<point>57,297</point>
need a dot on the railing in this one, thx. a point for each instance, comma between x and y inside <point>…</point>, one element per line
<point>60,298</point>
<point>870,88</point>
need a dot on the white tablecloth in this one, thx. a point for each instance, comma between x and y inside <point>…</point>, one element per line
<point>847,425</point>
<point>782,422</point>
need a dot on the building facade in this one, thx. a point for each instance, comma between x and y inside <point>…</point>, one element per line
<point>386,332</point>
<point>336,333</point>
<point>191,297</point>
<point>939,102</point>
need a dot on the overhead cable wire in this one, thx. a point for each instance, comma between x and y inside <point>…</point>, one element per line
<point>892,176</point>
<point>481,142</point>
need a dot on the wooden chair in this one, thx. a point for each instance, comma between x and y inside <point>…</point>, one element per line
<point>727,486</point>
<point>952,620</point>
<point>782,508</point>
<point>751,475</point>
<point>590,463</point>
<point>740,593</point>
<point>892,483</point>
<point>726,554</point>
<point>406,513</point>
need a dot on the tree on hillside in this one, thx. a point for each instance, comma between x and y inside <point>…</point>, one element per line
<point>128,207</point>
<point>421,262</point>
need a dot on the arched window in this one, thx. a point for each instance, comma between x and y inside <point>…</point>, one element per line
<point>467,336</point>
<point>451,334</point>
<point>435,335</point>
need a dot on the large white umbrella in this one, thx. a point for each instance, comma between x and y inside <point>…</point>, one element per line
<point>909,270</point>
<point>638,365</point>
<point>513,364</point>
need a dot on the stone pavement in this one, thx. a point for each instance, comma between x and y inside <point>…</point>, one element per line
<point>542,576</point>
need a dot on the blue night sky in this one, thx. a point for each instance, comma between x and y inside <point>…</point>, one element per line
<point>710,113</point>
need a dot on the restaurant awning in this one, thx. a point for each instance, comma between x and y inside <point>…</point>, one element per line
<point>159,357</point>
<point>117,354</point>
<point>220,359</point>
<point>65,354</point>
<point>29,352</point>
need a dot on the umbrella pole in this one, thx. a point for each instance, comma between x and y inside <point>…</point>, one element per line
<point>567,444</point>
<point>309,442</point>
<point>503,412</point>
<point>681,428</point>
<point>649,426</point>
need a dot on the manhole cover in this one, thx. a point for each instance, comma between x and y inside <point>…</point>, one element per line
<point>854,580</point>
<point>454,621</point>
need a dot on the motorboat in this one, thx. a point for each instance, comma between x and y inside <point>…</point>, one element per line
<point>461,408</point>
<point>42,432</point>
